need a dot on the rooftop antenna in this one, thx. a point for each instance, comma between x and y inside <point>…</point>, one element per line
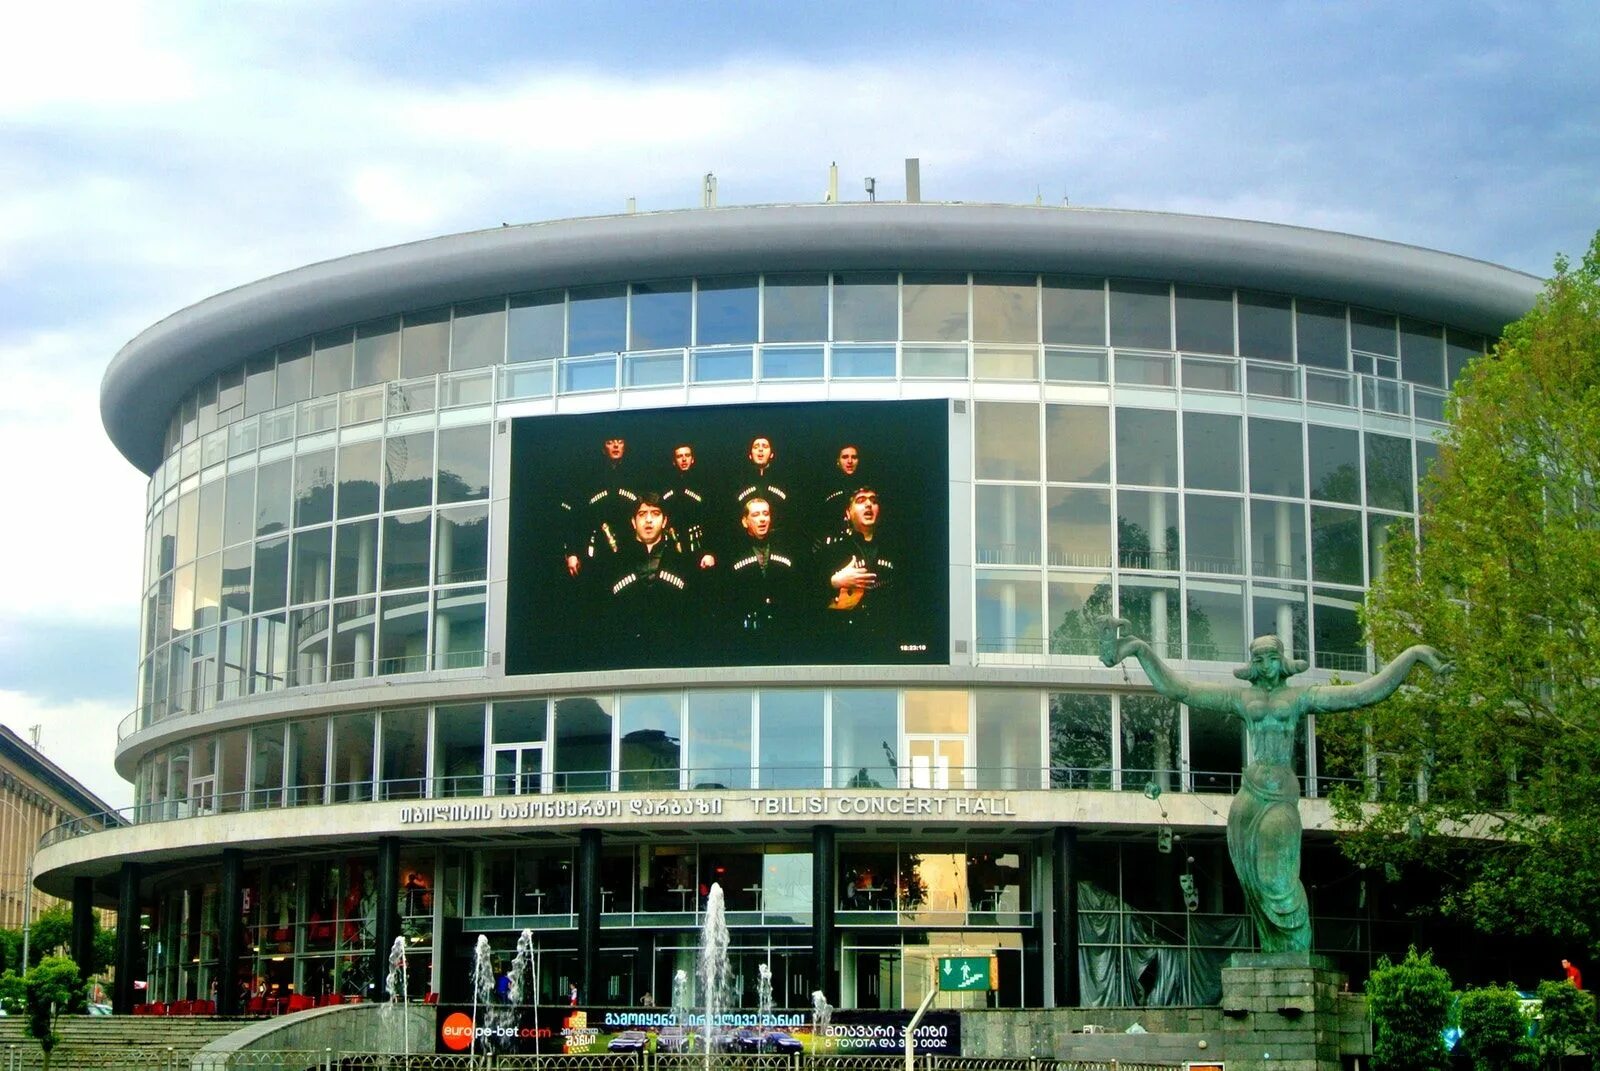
<point>872,188</point>
<point>1038,196</point>
<point>832,196</point>
<point>633,205</point>
<point>913,180</point>
<point>33,734</point>
<point>708,191</point>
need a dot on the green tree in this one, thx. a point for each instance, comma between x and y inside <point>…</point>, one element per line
<point>1506,582</point>
<point>1566,1023</point>
<point>13,996</point>
<point>52,989</point>
<point>1494,1032</point>
<point>1409,1003</point>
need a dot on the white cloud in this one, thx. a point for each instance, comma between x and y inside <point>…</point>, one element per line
<point>79,736</point>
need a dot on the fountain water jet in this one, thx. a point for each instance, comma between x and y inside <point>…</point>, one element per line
<point>714,966</point>
<point>523,964</point>
<point>821,1016</point>
<point>397,982</point>
<point>482,984</point>
<point>763,1004</point>
<point>680,1008</point>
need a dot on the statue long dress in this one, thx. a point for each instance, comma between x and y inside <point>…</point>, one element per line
<point>1264,821</point>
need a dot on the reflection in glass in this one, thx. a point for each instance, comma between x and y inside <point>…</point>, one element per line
<point>1006,441</point>
<point>1204,319</point>
<point>1214,534</point>
<point>425,343</point>
<point>719,739</point>
<point>403,633</point>
<point>1076,602</point>
<point>462,550</point>
<point>1147,447</point>
<point>933,307</point>
<point>1320,334</point>
<point>796,308</point>
<point>1338,630</point>
<point>1153,610</point>
<point>1216,620</point>
<point>478,334</point>
<point>359,465</point>
<point>1141,315</point>
<point>1074,311</point>
<point>356,558</point>
<point>1336,539</point>
<point>650,741</point>
<point>1150,743</point>
<point>1421,353</point>
<point>1080,740</point>
<point>313,564</point>
<point>1007,735</point>
<point>1277,539</point>
<point>1010,617</point>
<point>726,312</point>
<point>1008,524</point>
<point>864,733</point>
<point>1079,526</point>
<point>1147,530</point>
<point>408,470</point>
<point>1275,458</point>
<point>597,319</point>
<point>1216,750</point>
<point>1005,309</point>
<point>406,542</point>
<point>1077,443</point>
<point>1389,478</point>
<point>463,463</point>
<point>403,754</point>
<point>377,353</point>
<point>330,363</point>
<point>458,624</point>
<point>583,744</point>
<point>866,307</point>
<point>458,750</point>
<point>659,316</point>
<point>1335,459</point>
<point>1281,611</point>
<point>1266,329</point>
<point>1373,332</point>
<point>270,587</point>
<point>1211,453</point>
<point>791,739</point>
<point>355,627</point>
<point>274,491</point>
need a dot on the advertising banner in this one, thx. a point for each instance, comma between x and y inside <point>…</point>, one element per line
<point>729,536</point>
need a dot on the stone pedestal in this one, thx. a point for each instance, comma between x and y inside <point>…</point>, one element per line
<point>1281,1012</point>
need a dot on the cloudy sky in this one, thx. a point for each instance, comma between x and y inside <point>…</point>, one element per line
<point>151,155</point>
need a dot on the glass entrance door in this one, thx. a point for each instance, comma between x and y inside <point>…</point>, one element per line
<point>519,770</point>
<point>876,976</point>
<point>936,762</point>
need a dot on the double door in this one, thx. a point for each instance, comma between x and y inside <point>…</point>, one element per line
<point>519,770</point>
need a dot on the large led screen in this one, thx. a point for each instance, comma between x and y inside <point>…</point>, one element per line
<point>730,536</point>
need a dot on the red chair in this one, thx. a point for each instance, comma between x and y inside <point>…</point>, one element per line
<point>335,998</point>
<point>205,1007</point>
<point>157,1008</point>
<point>140,1009</point>
<point>431,998</point>
<point>180,1007</point>
<point>300,1002</point>
<point>256,1006</point>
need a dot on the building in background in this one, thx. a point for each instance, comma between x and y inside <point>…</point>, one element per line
<point>442,636</point>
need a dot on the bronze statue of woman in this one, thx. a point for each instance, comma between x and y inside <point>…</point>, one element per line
<point>1264,820</point>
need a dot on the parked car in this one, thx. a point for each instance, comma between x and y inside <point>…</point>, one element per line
<point>751,1039</point>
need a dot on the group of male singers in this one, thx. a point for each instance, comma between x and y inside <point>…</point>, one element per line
<point>767,561</point>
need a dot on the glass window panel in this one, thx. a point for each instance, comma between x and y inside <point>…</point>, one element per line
<point>1427,457</point>
<point>230,770</point>
<point>308,640</point>
<point>519,721</point>
<point>208,534</point>
<point>1147,530</point>
<point>1389,477</point>
<point>866,307</point>
<point>1336,545</point>
<point>1275,458</point>
<point>377,353</point>
<point>294,373</point>
<point>1141,315</point>
<point>188,527</point>
<point>723,366</point>
<point>259,375</point>
<point>583,743</point>
<point>1281,612</point>
<point>313,488</point>
<point>458,628</point>
<point>1335,459</point>
<point>308,761</point>
<point>1421,353</point>
<point>791,755</point>
<point>313,564</point>
<point>330,363</point>
<point>1080,740</point>
<point>403,633</point>
<point>1007,441</point>
<point>1216,620</point>
<point>1153,610</point>
<point>206,407</point>
<point>798,362</point>
<point>266,766</point>
<point>1077,443</point>
<point>1076,603</point>
<point>1211,452</point>
<point>1381,529</point>
<point>536,327</point>
<point>1265,327</point>
<point>269,663</point>
<point>1009,755</point>
<point>719,739</point>
<point>1008,526</point>
<point>187,419</point>
<point>458,751</point>
<point>943,712</point>
<point>425,343</point>
<point>995,362</point>
<point>1460,349</point>
<point>650,741</point>
<point>359,466</point>
<point>462,554</point>
<point>726,311</point>
<point>1150,743</point>
<point>597,319</point>
<point>1079,522</point>
<point>235,581</point>
<point>405,550</point>
<point>353,735</point>
<point>795,308</point>
<point>168,539</point>
<point>1337,630</point>
<point>934,307</point>
<point>659,316</point>
<point>478,334</point>
<point>1005,309</point>
<point>1320,334</point>
<point>1010,614</point>
<point>1147,447</point>
<point>1277,539</point>
<point>1372,332</point>
<point>207,590</point>
<point>1074,311</point>
<point>864,732</point>
<point>463,463</point>
<point>356,558</point>
<point>1216,750</point>
<point>1204,318</point>
<point>408,470</point>
<point>1213,534</point>
<point>355,627</point>
<point>270,587</point>
<point>403,754</point>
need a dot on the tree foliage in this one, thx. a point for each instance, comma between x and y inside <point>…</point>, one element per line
<point>1506,583</point>
<point>1494,1033</point>
<point>52,988</point>
<point>1409,1003</point>
<point>1566,1023</point>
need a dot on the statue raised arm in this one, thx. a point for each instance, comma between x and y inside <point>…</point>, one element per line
<point>1264,820</point>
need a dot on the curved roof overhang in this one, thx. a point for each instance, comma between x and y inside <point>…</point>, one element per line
<point>150,375</point>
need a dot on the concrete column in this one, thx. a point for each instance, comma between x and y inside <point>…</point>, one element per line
<point>83,924</point>
<point>230,931</point>
<point>824,940</point>
<point>1064,936</point>
<point>128,965</point>
<point>589,907</point>
<point>388,921</point>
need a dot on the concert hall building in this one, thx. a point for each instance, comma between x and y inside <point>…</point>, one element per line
<point>441,637</point>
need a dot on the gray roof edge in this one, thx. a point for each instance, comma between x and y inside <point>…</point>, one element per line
<point>150,374</point>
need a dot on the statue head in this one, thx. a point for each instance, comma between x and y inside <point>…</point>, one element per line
<point>1268,661</point>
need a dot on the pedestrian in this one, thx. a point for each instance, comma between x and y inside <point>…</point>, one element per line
<point>1574,975</point>
<point>572,995</point>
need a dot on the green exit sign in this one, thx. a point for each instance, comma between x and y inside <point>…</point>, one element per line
<point>964,974</point>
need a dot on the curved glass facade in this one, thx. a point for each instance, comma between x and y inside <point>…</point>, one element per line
<point>330,523</point>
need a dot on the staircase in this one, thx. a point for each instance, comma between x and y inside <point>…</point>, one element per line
<point>112,1042</point>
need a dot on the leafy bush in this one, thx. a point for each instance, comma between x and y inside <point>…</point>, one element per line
<point>1566,1024</point>
<point>1494,1032</point>
<point>1409,1002</point>
<point>13,997</point>
<point>52,989</point>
